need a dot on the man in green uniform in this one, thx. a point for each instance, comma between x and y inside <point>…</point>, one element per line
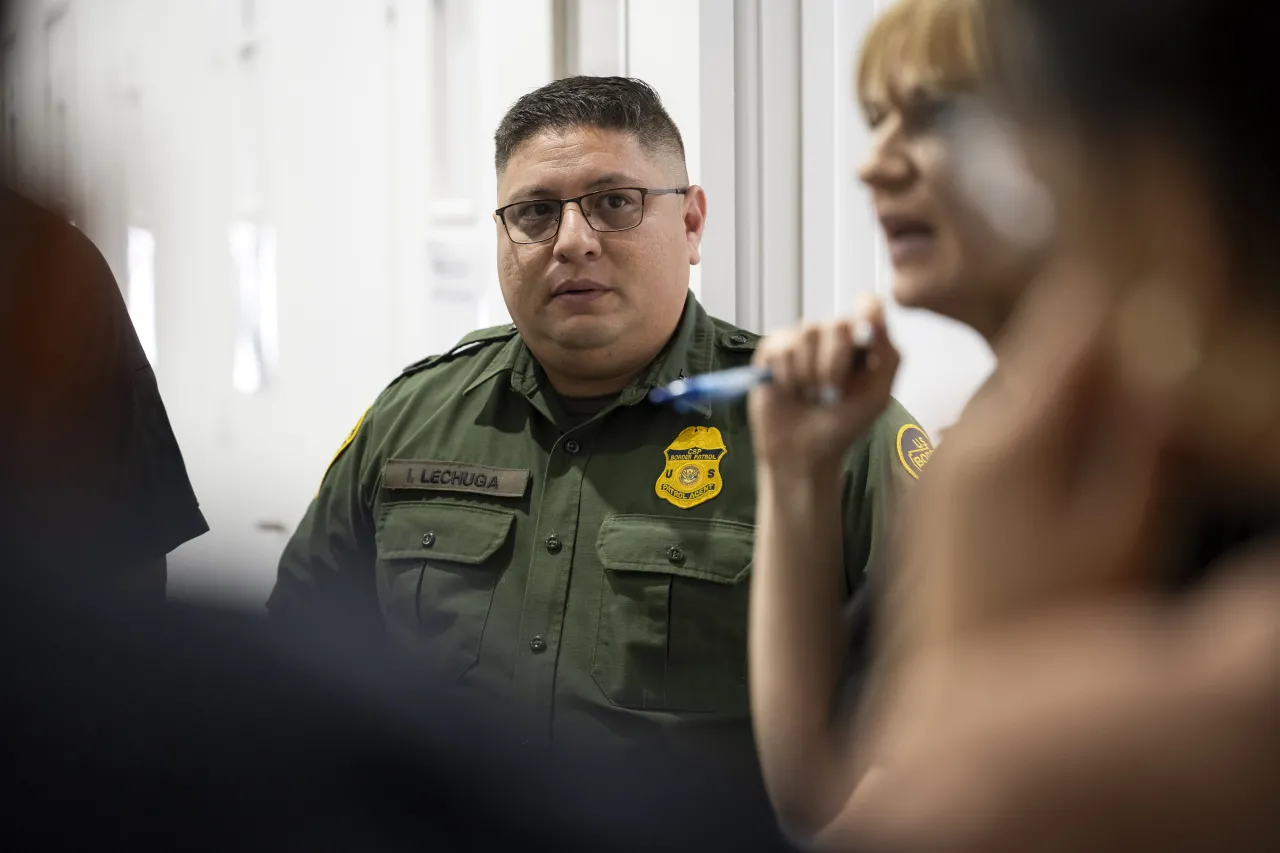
<point>517,513</point>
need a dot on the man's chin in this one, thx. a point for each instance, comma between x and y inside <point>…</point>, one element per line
<point>584,334</point>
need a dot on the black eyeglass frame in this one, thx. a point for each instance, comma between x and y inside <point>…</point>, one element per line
<point>645,192</point>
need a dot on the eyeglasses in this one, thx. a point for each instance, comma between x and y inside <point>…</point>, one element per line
<point>538,220</point>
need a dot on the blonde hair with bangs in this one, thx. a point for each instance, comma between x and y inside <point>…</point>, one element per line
<point>940,43</point>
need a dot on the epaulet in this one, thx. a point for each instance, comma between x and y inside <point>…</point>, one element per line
<point>473,341</point>
<point>738,340</point>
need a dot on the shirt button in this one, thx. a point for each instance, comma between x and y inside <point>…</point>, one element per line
<point>537,645</point>
<point>738,340</point>
<point>571,447</point>
<point>675,554</point>
<point>553,544</point>
<point>428,539</point>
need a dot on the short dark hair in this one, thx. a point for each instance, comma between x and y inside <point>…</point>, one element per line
<point>608,103</point>
<point>1192,70</point>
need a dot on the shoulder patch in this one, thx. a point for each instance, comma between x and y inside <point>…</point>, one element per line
<point>346,442</point>
<point>470,342</point>
<point>914,449</point>
<point>738,340</point>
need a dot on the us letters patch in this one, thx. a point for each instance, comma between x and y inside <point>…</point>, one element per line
<point>914,449</point>
<point>431,475</point>
<point>691,475</point>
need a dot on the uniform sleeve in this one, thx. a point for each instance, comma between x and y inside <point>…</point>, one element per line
<point>880,471</point>
<point>326,574</point>
<point>159,511</point>
<point>879,475</point>
<point>164,510</point>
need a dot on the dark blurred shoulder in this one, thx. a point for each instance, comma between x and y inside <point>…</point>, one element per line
<point>92,481</point>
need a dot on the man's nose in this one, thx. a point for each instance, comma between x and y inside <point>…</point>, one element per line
<point>576,238</point>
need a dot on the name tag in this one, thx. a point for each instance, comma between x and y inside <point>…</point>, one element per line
<point>455,477</point>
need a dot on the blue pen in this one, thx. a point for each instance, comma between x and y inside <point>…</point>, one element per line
<point>684,394</point>
<point>736,382</point>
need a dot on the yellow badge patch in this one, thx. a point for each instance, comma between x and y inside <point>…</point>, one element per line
<point>914,449</point>
<point>346,442</point>
<point>691,473</point>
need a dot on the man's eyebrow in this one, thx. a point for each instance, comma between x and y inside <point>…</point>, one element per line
<point>613,180</point>
<point>531,193</point>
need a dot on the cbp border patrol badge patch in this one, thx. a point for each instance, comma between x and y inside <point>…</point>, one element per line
<point>914,449</point>
<point>691,473</point>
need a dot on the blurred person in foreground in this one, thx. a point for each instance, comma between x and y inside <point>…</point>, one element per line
<point>1038,685</point>
<point>520,516</point>
<point>205,730</point>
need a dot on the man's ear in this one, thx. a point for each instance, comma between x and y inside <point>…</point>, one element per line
<point>695,219</point>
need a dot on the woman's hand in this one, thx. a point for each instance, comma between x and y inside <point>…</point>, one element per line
<point>823,396</point>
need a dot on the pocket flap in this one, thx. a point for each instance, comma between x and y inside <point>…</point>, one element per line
<point>442,531</point>
<point>707,549</point>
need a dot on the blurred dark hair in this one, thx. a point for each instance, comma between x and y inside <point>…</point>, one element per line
<point>609,103</point>
<point>1194,71</point>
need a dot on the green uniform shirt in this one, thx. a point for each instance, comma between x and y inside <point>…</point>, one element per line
<point>594,568</point>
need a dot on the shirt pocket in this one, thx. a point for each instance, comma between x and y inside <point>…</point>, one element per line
<point>438,566</point>
<point>672,634</point>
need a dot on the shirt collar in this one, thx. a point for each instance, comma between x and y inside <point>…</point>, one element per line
<point>689,352</point>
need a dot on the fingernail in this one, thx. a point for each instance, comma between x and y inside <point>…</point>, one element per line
<point>864,334</point>
<point>829,395</point>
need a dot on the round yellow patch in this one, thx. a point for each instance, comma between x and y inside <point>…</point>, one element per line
<point>914,449</point>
